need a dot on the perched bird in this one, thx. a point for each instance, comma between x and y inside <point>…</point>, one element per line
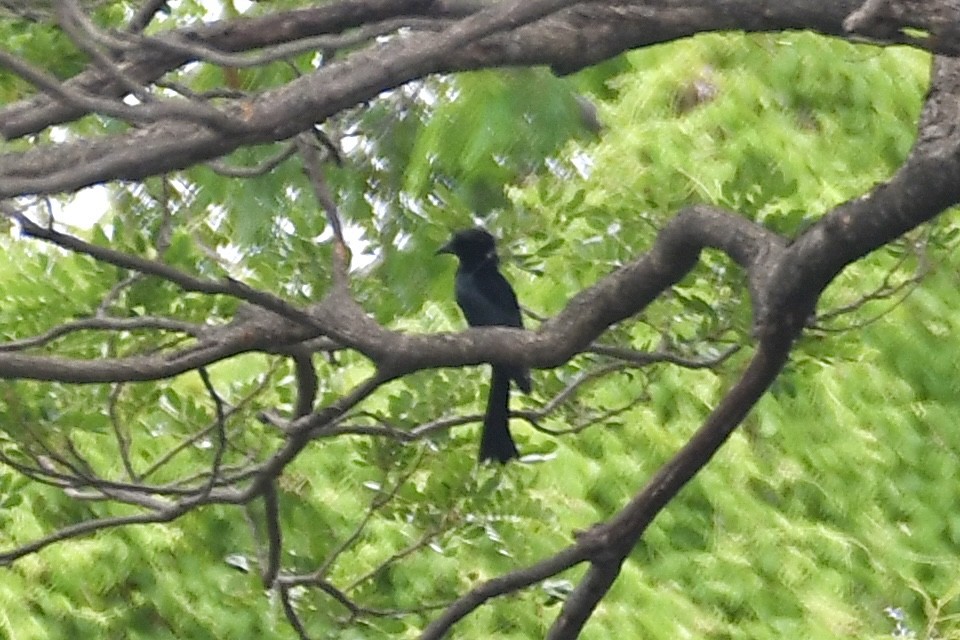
<point>487,299</point>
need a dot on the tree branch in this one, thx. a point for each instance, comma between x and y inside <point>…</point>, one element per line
<point>574,38</point>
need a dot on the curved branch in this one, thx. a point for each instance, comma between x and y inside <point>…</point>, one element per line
<point>570,40</point>
<point>614,540</point>
<point>607,545</point>
<point>143,323</point>
<point>280,114</point>
<point>85,528</point>
<point>508,583</point>
<point>614,298</point>
<point>149,64</point>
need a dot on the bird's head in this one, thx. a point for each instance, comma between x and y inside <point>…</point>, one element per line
<point>472,246</point>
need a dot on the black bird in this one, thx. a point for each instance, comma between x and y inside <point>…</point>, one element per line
<point>487,299</point>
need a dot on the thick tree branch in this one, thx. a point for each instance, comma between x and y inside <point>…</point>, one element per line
<point>614,540</point>
<point>407,61</point>
<point>148,63</point>
<point>606,545</point>
<point>616,297</point>
<point>572,39</point>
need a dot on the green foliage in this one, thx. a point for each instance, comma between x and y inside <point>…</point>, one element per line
<point>38,44</point>
<point>492,128</point>
<point>834,501</point>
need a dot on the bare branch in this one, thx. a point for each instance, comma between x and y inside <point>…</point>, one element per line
<point>85,34</point>
<point>220,429</point>
<point>85,528</point>
<point>205,432</point>
<point>143,113</point>
<point>341,254</point>
<point>154,268</point>
<point>378,501</point>
<point>119,433</point>
<point>300,434</point>
<point>145,14</point>
<point>193,50</point>
<point>643,358</point>
<point>144,323</point>
<point>264,167</point>
<point>507,583</point>
<point>271,516</point>
<point>567,40</point>
<point>260,481</point>
<point>606,545</point>
<point>33,115</point>
<point>290,612</point>
<point>614,540</point>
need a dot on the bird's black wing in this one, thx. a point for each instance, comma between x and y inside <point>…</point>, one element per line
<point>487,299</point>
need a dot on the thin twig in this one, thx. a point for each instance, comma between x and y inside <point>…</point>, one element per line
<point>123,439</point>
<point>264,167</point>
<point>379,500</point>
<point>203,433</point>
<point>291,613</point>
<point>144,323</point>
<point>306,146</point>
<point>228,286</point>
<point>92,526</point>
<point>220,429</point>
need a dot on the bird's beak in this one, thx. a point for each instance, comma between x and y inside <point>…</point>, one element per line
<point>444,249</point>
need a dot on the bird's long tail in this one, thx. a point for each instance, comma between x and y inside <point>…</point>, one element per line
<point>496,442</point>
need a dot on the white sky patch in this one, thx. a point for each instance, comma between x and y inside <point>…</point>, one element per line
<point>285,225</point>
<point>353,236</point>
<point>231,254</point>
<point>84,209</point>
<point>583,163</point>
<point>350,143</point>
<point>59,134</point>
